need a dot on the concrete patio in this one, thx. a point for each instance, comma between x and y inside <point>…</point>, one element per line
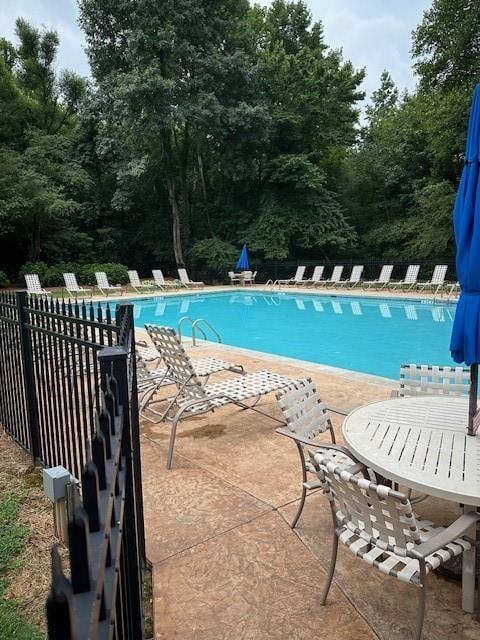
<point>226,563</point>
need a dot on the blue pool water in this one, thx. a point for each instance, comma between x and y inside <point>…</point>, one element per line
<point>368,335</point>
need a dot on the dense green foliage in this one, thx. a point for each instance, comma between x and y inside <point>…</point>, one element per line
<point>208,125</point>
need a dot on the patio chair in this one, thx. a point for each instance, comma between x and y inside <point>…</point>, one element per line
<point>437,281</point>
<point>410,279</point>
<point>248,277</point>
<point>297,278</point>
<point>383,279</point>
<point>185,280</point>
<point>235,277</point>
<point>71,285</point>
<point>195,398</point>
<point>334,278</point>
<point>355,277</point>
<point>104,286</point>
<point>34,288</point>
<point>160,281</point>
<point>136,283</point>
<point>316,276</point>
<point>433,380</point>
<point>307,417</point>
<point>378,525</point>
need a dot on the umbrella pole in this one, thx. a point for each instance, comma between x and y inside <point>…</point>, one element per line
<point>472,405</point>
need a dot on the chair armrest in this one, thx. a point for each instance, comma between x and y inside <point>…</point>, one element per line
<point>317,445</point>
<point>141,343</point>
<point>341,412</point>
<point>455,530</point>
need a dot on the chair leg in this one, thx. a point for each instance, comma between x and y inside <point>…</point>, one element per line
<point>422,602</point>
<point>173,433</point>
<point>331,569</point>
<point>304,490</point>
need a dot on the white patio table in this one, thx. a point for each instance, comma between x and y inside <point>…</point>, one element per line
<point>422,443</point>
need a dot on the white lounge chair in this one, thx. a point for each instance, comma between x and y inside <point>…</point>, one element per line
<point>104,286</point>
<point>410,279</point>
<point>355,277</point>
<point>382,280</point>
<point>185,280</point>
<point>378,525</point>
<point>71,285</point>
<point>437,281</point>
<point>307,418</point>
<point>316,276</point>
<point>34,288</point>
<point>160,281</point>
<point>335,277</point>
<point>136,283</point>
<point>194,398</point>
<point>297,278</point>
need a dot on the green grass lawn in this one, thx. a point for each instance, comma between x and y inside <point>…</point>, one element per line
<point>13,534</point>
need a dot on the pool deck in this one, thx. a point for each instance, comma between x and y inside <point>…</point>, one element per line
<point>226,564</point>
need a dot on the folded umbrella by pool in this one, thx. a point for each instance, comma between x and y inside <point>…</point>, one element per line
<point>465,340</point>
<point>243,263</point>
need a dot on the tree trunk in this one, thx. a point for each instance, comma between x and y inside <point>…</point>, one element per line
<point>176,222</point>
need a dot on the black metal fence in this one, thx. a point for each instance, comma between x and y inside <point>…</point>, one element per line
<point>68,396</point>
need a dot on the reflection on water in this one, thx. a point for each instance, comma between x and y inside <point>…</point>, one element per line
<point>336,306</point>
<point>385,310</point>
<point>356,308</point>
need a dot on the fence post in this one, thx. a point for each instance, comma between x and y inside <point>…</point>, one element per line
<point>27,362</point>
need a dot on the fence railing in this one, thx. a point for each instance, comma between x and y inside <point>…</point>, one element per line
<point>68,396</point>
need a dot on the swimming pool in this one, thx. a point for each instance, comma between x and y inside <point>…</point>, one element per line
<point>370,335</point>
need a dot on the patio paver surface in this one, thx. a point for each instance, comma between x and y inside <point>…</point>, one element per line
<point>225,562</point>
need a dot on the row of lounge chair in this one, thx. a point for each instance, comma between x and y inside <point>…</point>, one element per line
<point>72,287</point>
<point>383,281</point>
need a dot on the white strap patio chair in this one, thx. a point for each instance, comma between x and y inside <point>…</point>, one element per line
<point>383,279</point>
<point>437,281</point>
<point>34,287</point>
<point>160,281</point>
<point>104,286</point>
<point>307,418</point>
<point>71,285</point>
<point>235,277</point>
<point>433,380</point>
<point>195,398</point>
<point>185,280</point>
<point>355,277</point>
<point>297,278</point>
<point>334,278</point>
<point>316,276</point>
<point>378,525</point>
<point>248,277</point>
<point>136,283</point>
<point>410,279</point>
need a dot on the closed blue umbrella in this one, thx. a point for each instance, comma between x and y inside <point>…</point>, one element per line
<point>465,341</point>
<point>243,263</point>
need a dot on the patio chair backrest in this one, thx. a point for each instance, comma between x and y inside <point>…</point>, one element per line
<point>376,513</point>
<point>304,412</point>
<point>134,279</point>
<point>433,380</point>
<point>71,283</point>
<point>158,276</point>
<point>356,273</point>
<point>439,274</point>
<point>299,273</point>
<point>318,273</point>
<point>102,280</point>
<point>183,275</point>
<point>412,273</point>
<point>33,283</point>
<point>177,361</point>
<point>385,273</point>
<point>337,273</point>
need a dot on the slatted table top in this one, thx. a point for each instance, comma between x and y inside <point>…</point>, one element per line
<point>421,443</point>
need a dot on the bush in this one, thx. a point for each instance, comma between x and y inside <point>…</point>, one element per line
<point>40,268</point>
<point>4,281</point>
<point>116,273</point>
<point>213,252</point>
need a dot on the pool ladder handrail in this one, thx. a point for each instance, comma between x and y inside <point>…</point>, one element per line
<point>195,326</point>
<point>272,284</point>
